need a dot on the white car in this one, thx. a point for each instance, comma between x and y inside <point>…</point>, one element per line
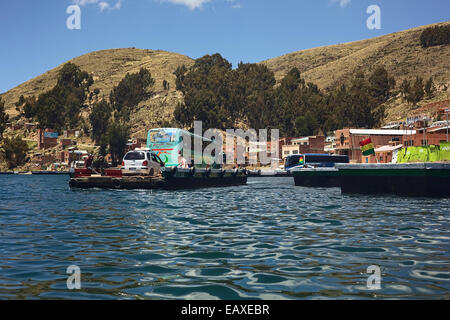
<point>141,162</point>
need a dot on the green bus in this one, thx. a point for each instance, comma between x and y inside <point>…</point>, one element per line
<point>167,143</point>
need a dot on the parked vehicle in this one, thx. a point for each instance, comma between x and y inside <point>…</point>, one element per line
<point>168,144</point>
<point>141,162</point>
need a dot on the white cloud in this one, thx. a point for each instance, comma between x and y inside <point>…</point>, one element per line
<point>117,6</point>
<point>82,3</point>
<point>342,3</point>
<point>102,5</point>
<point>235,4</point>
<point>198,4</point>
<point>191,4</point>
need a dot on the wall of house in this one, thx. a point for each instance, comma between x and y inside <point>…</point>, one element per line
<point>418,139</point>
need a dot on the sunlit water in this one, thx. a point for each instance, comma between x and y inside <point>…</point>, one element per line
<point>266,240</point>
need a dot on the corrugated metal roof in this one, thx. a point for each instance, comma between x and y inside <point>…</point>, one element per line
<point>388,148</point>
<point>381,132</point>
<point>438,129</point>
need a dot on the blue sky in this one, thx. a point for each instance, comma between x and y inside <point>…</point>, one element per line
<point>34,37</point>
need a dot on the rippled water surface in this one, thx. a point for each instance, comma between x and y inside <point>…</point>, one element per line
<point>266,240</point>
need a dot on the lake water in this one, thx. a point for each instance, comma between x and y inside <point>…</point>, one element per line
<point>266,240</point>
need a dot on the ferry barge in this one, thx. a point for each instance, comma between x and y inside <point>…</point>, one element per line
<point>412,179</point>
<point>171,178</point>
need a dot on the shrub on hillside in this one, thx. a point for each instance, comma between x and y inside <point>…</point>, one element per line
<point>3,118</point>
<point>435,36</point>
<point>131,90</point>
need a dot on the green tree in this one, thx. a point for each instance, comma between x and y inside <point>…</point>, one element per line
<point>249,95</point>
<point>20,103</point>
<point>117,139</point>
<point>381,84</point>
<point>166,85</point>
<point>14,151</point>
<point>292,80</point>
<point>299,107</point>
<point>405,88</point>
<point>71,75</point>
<point>417,91</point>
<point>99,120</point>
<point>3,118</point>
<point>179,73</point>
<point>353,105</point>
<point>429,88</point>
<point>50,111</point>
<point>60,106</point>
<point>29,108</point>
<point>206,93</point>
<point>435,36</point>
<point>131,90</point>
<point>306,125</point>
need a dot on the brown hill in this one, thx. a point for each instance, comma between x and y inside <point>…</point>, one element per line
<point>108,67</point>
<point>400,52</point>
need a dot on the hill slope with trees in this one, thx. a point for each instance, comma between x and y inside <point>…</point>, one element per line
<point>108,68</point>
<point>403,55</point>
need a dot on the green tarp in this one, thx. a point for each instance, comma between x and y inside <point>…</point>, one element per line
<point>445,151</point>
<point>434,153</point>
<point>401,156</point>
<point>425,154</point>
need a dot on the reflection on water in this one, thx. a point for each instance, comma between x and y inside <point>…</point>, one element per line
<point>266,240</point>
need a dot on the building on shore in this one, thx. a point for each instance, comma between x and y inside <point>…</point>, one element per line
<point>312,144</point>
<point>47,138</point>
<point>250,152</point>
<point>347,140</point>
<point>426,137</point>
<point>330,144</point>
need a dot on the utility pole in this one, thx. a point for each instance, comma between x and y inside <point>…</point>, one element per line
<point>447,111</point>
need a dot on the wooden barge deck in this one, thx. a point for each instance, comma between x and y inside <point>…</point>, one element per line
<point>170,179</point>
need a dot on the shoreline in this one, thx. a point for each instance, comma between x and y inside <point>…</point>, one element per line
<point>34,172</point>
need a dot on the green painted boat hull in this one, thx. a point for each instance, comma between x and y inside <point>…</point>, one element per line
<point>317,178</point>
<point>415,180</point>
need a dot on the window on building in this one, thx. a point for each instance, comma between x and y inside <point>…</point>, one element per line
<point>295,152</point>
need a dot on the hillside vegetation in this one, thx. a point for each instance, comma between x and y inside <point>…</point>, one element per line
<point>401,53</point>
<point>108,68</point>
